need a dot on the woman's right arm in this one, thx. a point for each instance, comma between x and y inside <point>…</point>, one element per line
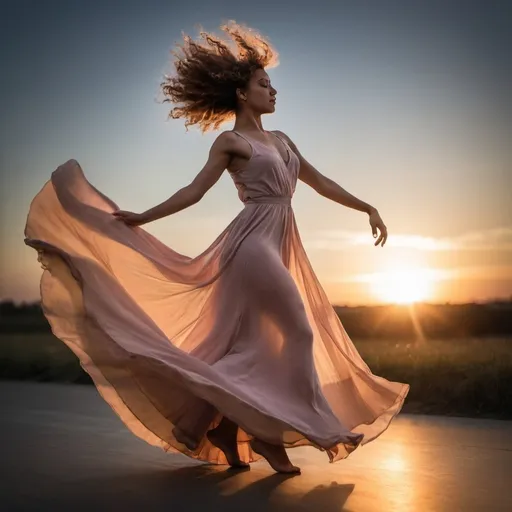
<point>218,159</point>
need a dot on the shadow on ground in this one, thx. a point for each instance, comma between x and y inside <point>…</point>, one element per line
<point>201,487</point>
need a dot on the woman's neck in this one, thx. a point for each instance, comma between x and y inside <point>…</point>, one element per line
<point>248,122</point>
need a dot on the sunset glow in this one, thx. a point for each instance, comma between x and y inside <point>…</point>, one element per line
<point>403,285</point>
<point>409,124</point>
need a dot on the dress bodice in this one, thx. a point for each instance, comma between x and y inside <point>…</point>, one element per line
<point>266,174</point>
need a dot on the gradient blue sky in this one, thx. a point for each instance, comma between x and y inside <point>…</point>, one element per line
<point>407,105</point>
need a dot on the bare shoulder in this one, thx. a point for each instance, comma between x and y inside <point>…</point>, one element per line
<point>227,135</point>
<point>227,142</point>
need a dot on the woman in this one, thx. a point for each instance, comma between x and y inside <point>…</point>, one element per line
<point>235,354</point>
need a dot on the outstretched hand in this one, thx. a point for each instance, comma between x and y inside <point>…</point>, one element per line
<point>378,224</point>
<point>129,218</point>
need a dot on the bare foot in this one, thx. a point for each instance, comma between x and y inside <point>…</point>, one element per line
<point>190,443</point>
<point>275,455</point>
<point>227,444</point>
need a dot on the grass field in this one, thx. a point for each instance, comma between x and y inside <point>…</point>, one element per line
<point>466,377</point>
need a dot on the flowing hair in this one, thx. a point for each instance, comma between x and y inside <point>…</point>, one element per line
<point>208,74</point>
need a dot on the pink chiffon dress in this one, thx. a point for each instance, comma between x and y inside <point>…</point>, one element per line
<point>243,330</point>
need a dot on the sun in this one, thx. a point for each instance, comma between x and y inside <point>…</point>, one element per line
<point>403,285</point>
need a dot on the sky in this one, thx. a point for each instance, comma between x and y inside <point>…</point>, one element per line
<point>405,104</point>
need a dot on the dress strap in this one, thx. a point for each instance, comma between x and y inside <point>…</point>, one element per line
<point>247,138</point>
<point>243,136</point>
<point>251,145</point>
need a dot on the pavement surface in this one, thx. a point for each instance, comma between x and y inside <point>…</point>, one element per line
<point>64,449</point>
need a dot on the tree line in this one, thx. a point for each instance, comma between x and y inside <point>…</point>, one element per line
<point>400,322</point>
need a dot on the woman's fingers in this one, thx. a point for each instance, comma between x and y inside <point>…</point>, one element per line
<point>122,214</point>
<point>383,236</point>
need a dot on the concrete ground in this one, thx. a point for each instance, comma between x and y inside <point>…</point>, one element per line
<point>64,449</point>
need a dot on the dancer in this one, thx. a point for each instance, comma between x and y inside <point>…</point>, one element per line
<point>235,354</point>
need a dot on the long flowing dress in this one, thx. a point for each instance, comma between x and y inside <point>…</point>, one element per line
<point>243,330</point>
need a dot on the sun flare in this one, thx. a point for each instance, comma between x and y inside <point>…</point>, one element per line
<point>403,285</point>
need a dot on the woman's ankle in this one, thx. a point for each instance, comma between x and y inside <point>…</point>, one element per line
<point>226,427</point>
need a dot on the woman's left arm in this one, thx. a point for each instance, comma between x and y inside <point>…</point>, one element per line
<point>331,190</point>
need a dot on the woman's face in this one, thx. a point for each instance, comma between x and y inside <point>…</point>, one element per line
<point>259,95</point>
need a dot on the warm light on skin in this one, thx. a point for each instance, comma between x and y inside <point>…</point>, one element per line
<point>403,285</point>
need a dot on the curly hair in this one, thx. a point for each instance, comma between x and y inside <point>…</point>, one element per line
<point>208,75</point>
